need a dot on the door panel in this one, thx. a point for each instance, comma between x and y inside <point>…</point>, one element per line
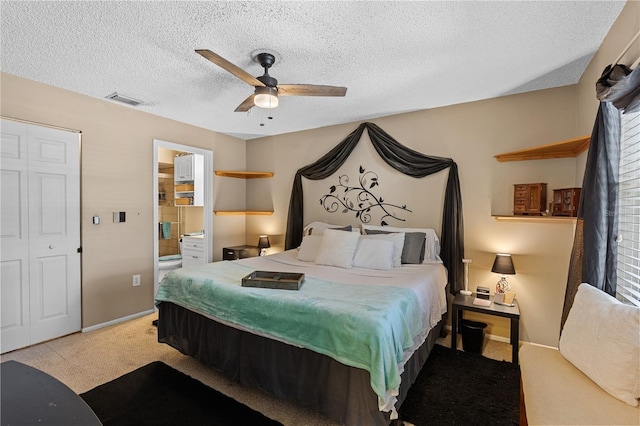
<point>15,331</point>
<point>50,309</point>
<point>49,195</point>
<point>11,229</point>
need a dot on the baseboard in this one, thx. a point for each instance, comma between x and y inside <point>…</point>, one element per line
<point>507,340</point>
<point>542,346</point>
<point>499,338</point>
<point>117,321</point>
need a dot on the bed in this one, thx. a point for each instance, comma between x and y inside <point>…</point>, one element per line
<point>348,344</point>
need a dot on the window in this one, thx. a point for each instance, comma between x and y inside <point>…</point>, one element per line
<point>628,268</point>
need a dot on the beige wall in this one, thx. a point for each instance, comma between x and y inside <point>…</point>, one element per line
<point>472,134</point>
<point>117,175</point>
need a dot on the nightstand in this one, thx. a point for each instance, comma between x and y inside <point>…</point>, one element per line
<point>239,252</point>
<point>462,303</point>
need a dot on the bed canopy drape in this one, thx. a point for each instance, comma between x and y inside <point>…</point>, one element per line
<point>404,160</point>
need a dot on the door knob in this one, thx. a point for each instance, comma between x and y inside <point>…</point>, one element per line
<point>51,246</point>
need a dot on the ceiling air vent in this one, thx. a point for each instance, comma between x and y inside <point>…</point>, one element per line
<point>115,96</point>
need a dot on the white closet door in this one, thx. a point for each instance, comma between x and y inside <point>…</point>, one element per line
<point>14,238</point>
<point>52,216</point>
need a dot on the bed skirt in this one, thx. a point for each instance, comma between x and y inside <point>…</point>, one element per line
<point>312,380</point>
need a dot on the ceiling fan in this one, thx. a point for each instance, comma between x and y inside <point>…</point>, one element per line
<point>267,88</point>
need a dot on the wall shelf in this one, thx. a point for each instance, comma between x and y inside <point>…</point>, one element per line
<point>242,212</point>
<point>563,149</point>
<point>535,219</point>
<point>244,175</point>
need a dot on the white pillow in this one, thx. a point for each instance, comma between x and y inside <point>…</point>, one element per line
<point>337,248</point>
<point>431,241</point>
<point>309,248</point>
<point>318,228</point>
<point>397,239</point>
<point>374,254</point>
<point>601,338</point>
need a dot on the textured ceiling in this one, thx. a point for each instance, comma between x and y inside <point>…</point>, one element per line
<point>392,56</point>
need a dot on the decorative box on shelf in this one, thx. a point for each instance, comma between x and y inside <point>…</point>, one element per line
<point>565,202</point>
<point>529,199</point>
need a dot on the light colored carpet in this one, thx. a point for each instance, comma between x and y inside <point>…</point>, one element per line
<point>85,360</point>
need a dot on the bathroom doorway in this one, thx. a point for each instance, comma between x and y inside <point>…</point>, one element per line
<point>182,193</point>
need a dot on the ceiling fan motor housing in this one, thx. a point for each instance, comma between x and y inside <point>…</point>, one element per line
<point>268,80</point>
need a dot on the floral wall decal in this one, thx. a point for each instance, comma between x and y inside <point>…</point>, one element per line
<point>360,199</point>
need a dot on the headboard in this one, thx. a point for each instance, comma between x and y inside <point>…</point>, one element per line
<point>404,160</point>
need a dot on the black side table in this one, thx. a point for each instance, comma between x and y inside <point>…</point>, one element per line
<point>465,303</point>
<point>239,252</point>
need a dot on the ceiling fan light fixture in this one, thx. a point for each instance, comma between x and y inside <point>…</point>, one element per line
<point>266,97</point>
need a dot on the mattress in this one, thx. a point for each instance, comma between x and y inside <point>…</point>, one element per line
<point>363,318</point>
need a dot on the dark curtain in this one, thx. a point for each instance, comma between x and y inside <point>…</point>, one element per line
<point>594,253</point>
<point>406,161</point>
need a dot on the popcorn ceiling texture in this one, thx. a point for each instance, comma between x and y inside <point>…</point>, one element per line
<point>392,56</point>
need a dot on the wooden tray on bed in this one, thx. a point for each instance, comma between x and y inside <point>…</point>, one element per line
<point>276,280</point>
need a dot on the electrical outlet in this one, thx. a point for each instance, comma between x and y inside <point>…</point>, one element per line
<point>136,280</point>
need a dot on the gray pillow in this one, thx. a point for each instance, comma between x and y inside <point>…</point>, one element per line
<point>413,249</point>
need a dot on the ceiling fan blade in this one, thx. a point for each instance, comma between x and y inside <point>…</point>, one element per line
<point>246,105</point>
<point>310,90</point>
<point>228,66</point>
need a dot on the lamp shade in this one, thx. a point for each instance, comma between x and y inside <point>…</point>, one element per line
<point>263,242</point>
<point>503,265</point>
<point>266,97</point>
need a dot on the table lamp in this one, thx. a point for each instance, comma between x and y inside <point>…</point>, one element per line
<point>263,244</point>
<point>503,265</point>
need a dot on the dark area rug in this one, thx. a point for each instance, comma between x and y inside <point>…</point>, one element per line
<point>463,388</point>
<point>157,394</point>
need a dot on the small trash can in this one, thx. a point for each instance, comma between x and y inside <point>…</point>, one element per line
<point>472,336</point>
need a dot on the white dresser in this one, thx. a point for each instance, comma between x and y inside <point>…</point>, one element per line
<point>193,252</point>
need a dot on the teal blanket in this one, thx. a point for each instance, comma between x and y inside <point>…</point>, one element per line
<point>367,327</point>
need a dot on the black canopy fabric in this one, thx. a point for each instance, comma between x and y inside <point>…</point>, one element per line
<point>405,160</point>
